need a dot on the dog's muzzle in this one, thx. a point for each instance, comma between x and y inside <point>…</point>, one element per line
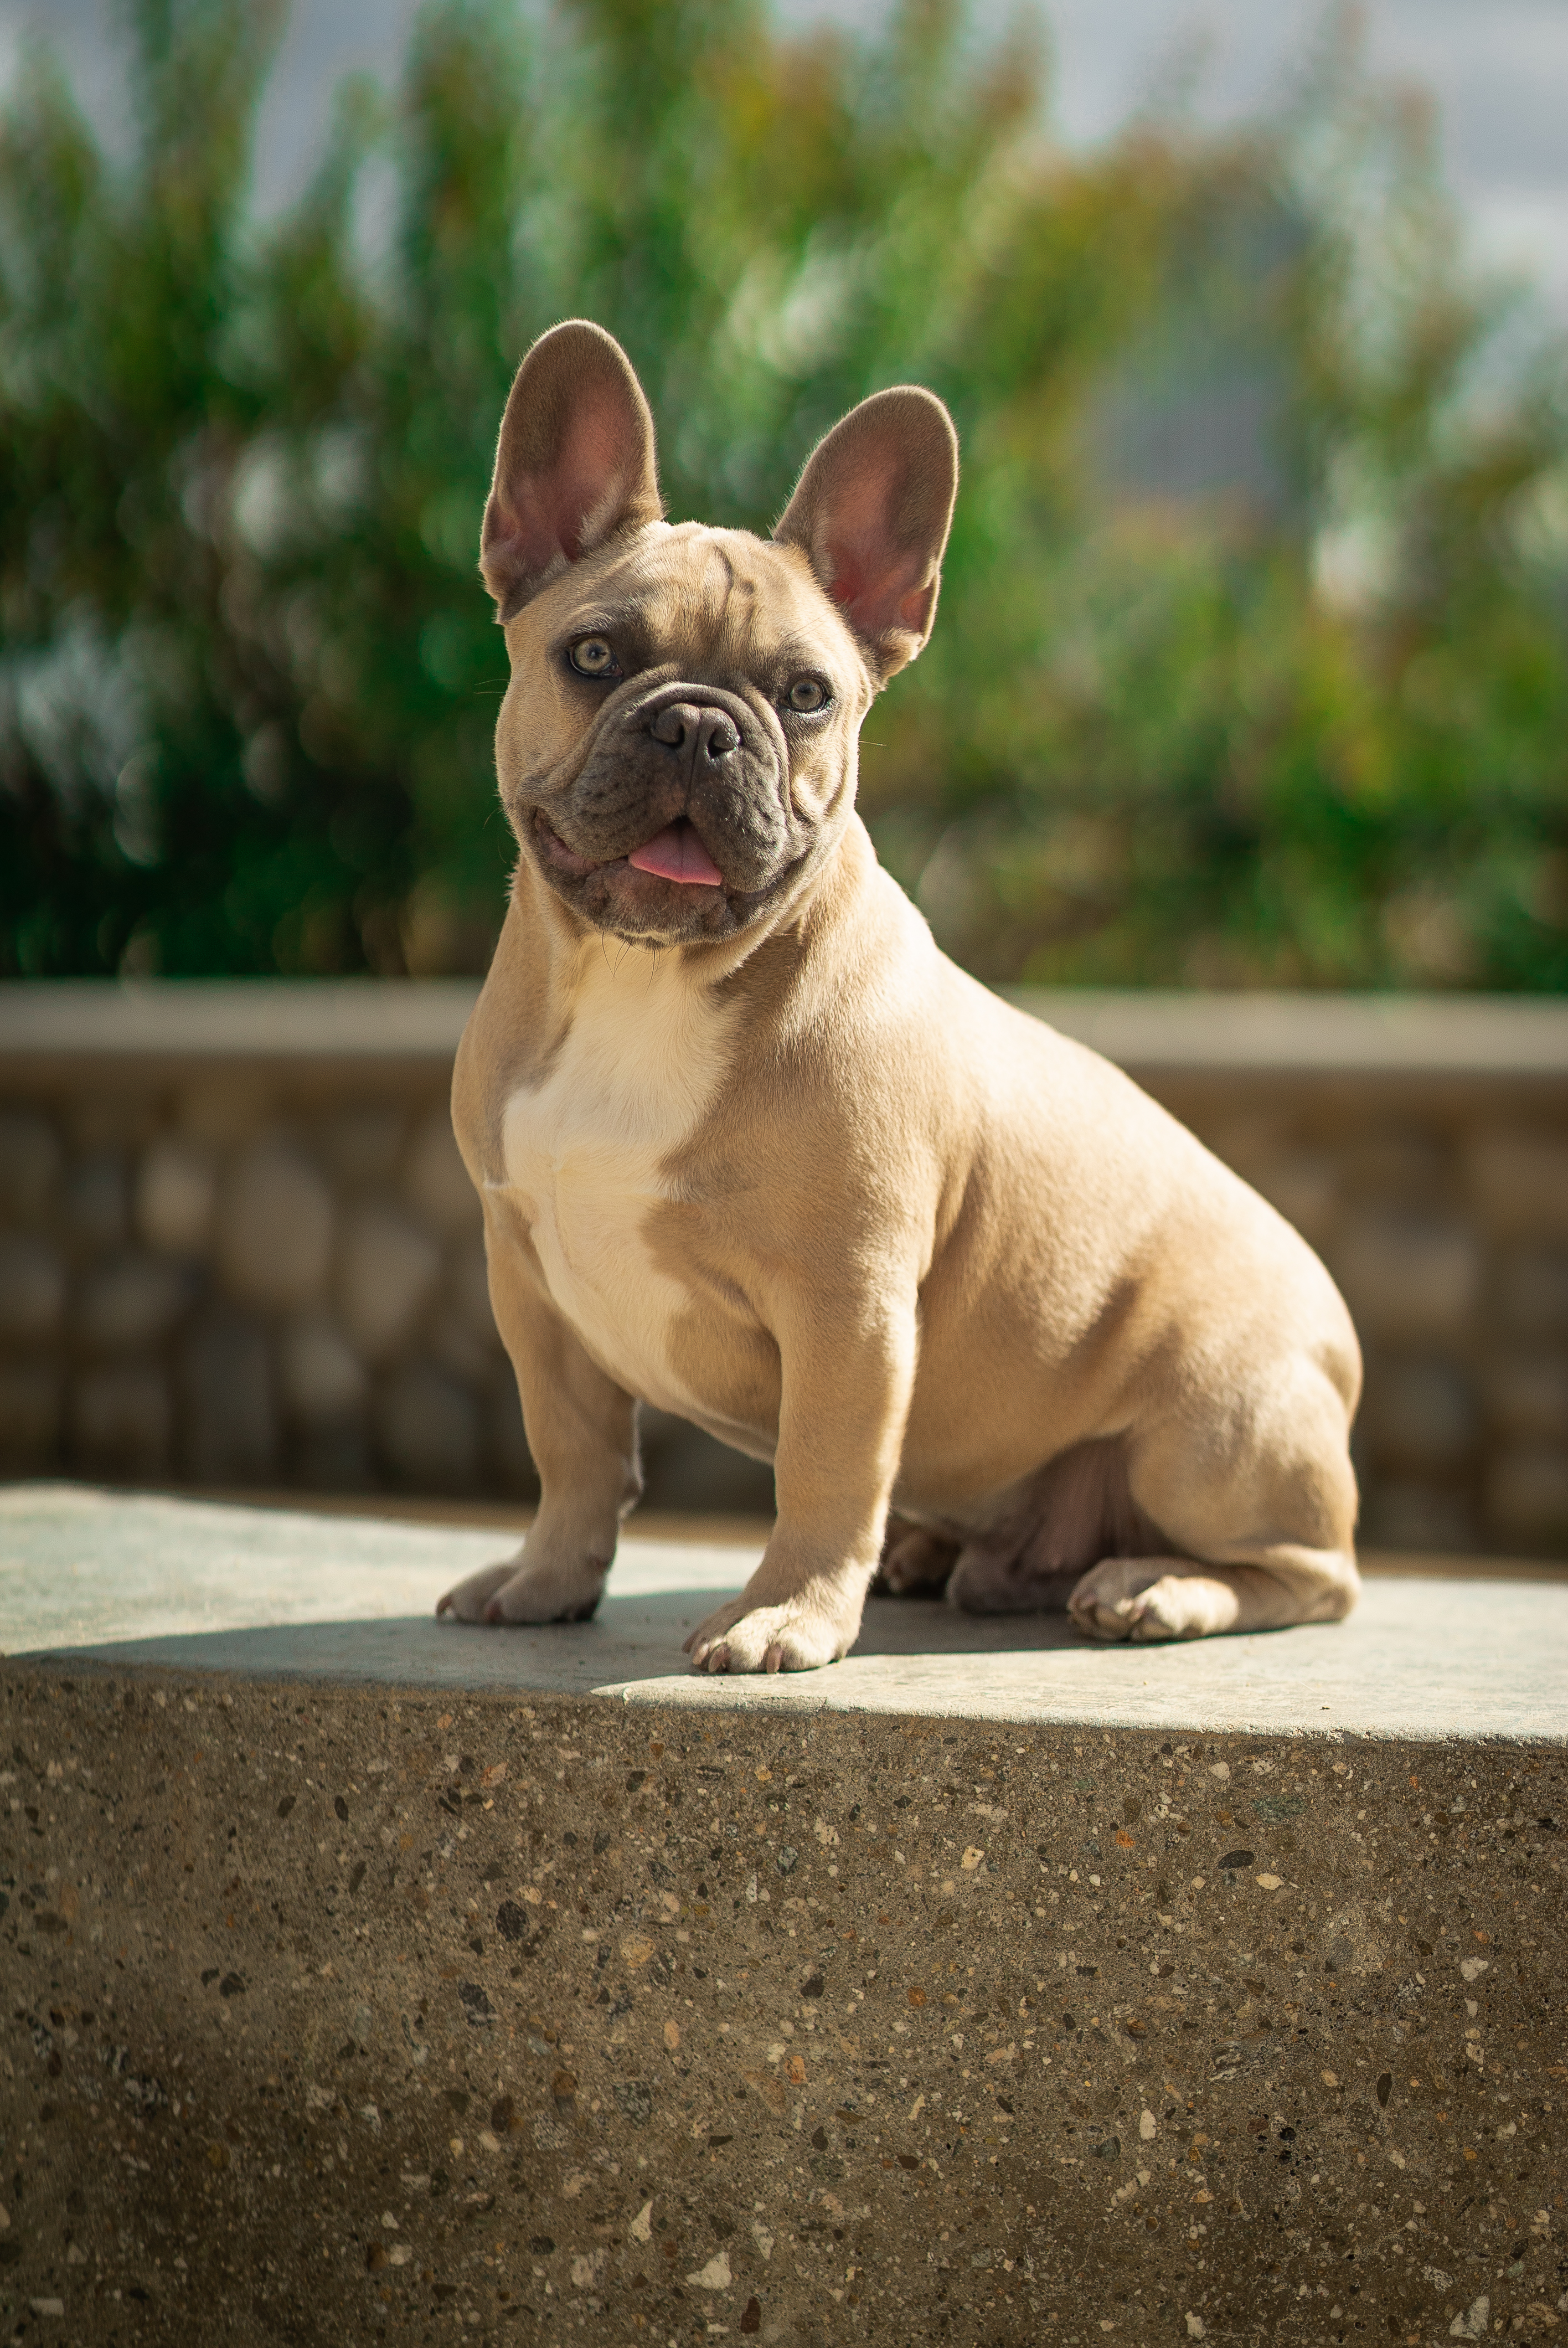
<point>685,755</point>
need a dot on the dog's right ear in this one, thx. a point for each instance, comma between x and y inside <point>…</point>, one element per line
<point>574,464</point>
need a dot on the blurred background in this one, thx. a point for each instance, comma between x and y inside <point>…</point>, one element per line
<point>1252,666</point>
<point>1251,671</point>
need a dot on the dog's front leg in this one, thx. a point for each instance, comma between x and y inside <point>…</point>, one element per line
<point>582,1432</point>
<point>844,1402</point>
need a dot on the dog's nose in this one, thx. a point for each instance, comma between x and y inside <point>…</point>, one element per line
<point>704,734</point>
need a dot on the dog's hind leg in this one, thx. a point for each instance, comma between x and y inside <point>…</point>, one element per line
<point>1154,1598</point>
<point>1076,1509</point>
<point>1258,1512</point>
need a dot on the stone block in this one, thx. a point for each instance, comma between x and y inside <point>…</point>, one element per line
<point>387,1271</point>
<point>32,1290</point>
<point>176,1196</point>
<point>32,1398</point>
<point>321,1378</point>
<point>507,1456</point>
<point>1396,1166</point>
<point>1304,1184</point>
<point>436,1181</point>
<point>1419,1415</point>
<point>1249,1141</point>
<point>121,1421</point>
<point>360,1145</point>
<point>1528,1395</point>
<point>113,1114</point>
<point>334,1456</point>
<point>229,1415</point>
<point>450,1341</point>
<point>1527,1494</point>
<point>1407,1275</point>
<point>1521,1182</point>
<point>95,1199</point>
<point>30,1164</point>
<point>1403,1514</point>
<point>428,1426</point>
<point>685,1468</point>
<point>224,1112</point>
<point>130,1301</point>
<point>1532,1291</point>
<point>274,1228</point>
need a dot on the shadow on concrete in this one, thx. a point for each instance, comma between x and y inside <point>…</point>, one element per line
<point>632,1639</point>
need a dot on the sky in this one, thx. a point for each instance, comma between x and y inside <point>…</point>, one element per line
<point>1496,71</point>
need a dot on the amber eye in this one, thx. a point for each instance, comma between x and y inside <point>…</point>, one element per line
<point>805,695</point>
<point>591,656</point>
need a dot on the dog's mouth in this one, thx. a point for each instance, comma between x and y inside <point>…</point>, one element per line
<point>677,855</point>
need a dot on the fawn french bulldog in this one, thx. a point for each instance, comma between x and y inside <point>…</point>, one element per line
<point>749,1146</point>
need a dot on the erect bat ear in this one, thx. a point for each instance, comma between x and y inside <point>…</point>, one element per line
<point>871,512</point>
<point>574,464</point>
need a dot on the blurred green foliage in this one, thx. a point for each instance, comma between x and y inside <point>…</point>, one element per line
<point>1251,665</point>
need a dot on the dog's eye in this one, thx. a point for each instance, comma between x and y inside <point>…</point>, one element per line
<point>805,695</point>
<point>591,656</point>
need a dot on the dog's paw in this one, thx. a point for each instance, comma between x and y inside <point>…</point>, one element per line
<point>1151,1598</point>
<point>525,1591</point>
<point>795,1636</point>
<point>915,1561</point>
<point>991,1581</point>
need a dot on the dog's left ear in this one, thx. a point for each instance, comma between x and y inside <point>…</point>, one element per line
<point>574,464</point>
<point>871,512</point>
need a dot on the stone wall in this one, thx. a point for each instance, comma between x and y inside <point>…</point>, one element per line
<point>238,1247</point>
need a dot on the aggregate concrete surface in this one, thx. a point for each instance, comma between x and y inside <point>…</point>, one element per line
<point>346,2011</point>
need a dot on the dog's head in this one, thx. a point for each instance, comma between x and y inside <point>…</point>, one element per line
<point>677,747</point>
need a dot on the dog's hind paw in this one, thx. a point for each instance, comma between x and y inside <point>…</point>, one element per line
<point>914,1561</point>
<point>1148,1598</point>
<point>518,1592</point>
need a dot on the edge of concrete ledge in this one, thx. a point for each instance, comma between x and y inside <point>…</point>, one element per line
<point>191,1023</point>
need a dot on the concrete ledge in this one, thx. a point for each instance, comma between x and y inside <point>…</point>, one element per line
<point>388,1021</point>
<point>245,1022</point>
<point>1049,1994</point>
<point>1503,1036</point>
<point>275,1593</point>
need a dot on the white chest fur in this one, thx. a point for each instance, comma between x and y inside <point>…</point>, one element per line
<point>587,1153</point>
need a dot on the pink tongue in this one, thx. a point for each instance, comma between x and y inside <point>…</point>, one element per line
<point>676,853</point>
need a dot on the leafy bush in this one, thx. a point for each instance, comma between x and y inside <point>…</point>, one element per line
<point>1302,718</point>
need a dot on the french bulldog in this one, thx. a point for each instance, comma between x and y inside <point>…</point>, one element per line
<point>750,1148</point>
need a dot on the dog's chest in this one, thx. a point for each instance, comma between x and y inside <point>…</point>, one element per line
<point>590,1154</point>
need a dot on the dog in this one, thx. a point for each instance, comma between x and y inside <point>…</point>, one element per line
<point>750,1148</point>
